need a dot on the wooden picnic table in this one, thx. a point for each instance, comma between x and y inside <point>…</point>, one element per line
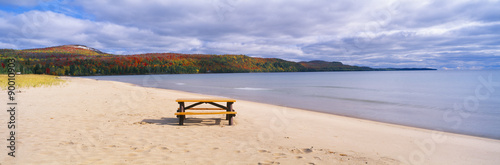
<point>229,111</point>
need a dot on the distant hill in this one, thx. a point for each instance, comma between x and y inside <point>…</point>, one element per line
<point>318,65</point>
<point>62,50</point>
<point>80,60</point>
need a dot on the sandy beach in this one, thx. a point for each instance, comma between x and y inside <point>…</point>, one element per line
<point>86,121</point>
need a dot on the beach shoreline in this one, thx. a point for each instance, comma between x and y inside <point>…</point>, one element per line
<point>88,121</point>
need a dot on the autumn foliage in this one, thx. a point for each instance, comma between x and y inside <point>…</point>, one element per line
<point>79,60</point>
<point>82,61</point>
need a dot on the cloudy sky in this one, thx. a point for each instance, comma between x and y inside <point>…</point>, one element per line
<point>443,34</point>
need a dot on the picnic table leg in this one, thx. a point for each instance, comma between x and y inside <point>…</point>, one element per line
<point>181,117</point>
<point>230,116</point>
<point>229,109</point>
<point>231,122</point>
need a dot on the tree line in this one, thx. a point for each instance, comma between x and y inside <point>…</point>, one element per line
<point>74,64</point>
<point>72,60</point>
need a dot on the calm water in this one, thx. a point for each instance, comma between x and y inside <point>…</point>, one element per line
<point>466,102</point>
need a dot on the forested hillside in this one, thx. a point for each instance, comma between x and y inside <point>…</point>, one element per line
<point>79,60</point>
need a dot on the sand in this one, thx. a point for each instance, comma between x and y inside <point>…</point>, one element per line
<point>101,122</point>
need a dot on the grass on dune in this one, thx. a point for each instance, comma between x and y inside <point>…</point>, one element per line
<point>31,80</point>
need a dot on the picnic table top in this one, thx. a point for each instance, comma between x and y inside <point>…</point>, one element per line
<point>205,100</point>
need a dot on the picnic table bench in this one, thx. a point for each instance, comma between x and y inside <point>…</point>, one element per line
<point>229,111</point>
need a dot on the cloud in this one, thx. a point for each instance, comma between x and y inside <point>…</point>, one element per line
<point>40,29</point>
<point>377,33</point>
